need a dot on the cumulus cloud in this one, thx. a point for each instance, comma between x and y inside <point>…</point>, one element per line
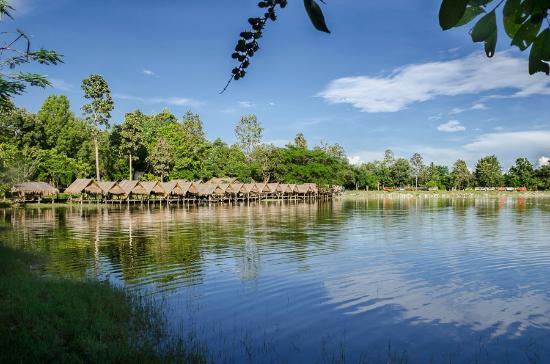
<point>148,72</point>
<point>416,83</point>
<point>451,126</point>
<point>476,106</point>
<point>173,101</point>
<point>544,161</point>
<point>60,84</point>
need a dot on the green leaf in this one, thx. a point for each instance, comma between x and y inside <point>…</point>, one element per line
<point>479,2</point>
<point>490,45</point>
<point>540,51</point>
<point>526,34</point>
<point>470,13</point>
<point>485,27</point>
<point>451,12</point>
<point>509,12</point>
<point>316,15</point>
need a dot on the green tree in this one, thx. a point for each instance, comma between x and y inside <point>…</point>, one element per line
<point>300,141</point>
<point>248,132</point>
<point>521,174</point>
<point>400,172</point>
<point>131,131</point>
<point>417,165</point>
<point>98,111</point>
<point>461,176</point>
<point>15,51</point>
<point>543,177</point>
<point>266,159</point>
<point>488,172</point>
<point>160,158</point>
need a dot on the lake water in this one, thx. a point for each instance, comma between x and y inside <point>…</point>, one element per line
<point>413,280</point>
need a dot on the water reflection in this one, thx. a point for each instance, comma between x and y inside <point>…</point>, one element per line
<point>441,279</point>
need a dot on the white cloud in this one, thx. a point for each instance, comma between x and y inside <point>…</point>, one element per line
<point>415,83</point>
<point>451,126</point>
<point>148,72</point>
<point>355,160</point>
<point>476,106</point>
<point>507,146</point>
<point>544,161</point>
<point>60,84</point>
<point>173,101</point>
<point>245,104</point>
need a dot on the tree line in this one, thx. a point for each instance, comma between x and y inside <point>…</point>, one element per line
<point>56,146</point>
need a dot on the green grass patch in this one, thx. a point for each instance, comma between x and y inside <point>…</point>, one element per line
<point>46,319</point>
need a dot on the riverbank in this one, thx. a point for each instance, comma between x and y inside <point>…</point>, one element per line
<point>47,319</point>
<point>353,194</point>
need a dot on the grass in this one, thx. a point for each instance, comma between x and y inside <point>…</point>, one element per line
<point>47,319</point>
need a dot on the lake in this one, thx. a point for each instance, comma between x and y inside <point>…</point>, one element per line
<point>377,280</point>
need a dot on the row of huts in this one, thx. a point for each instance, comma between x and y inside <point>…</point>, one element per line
<point>214,190</point>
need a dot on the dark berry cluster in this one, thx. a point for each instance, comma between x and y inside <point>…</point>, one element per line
<point>247,45</point>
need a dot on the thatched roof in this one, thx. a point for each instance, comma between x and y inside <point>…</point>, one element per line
<point>206,189</point>
<point>235,188</point>
<point>188,186</point>
<point>171,188</point>
<point>262,187</point>
<point>94,188</point>
<point>286,188</point>
<point>78,186</point>
<point>106,186</point>
<point>34,188</point>
<point>127,186</point>
<point>116,189</point>
<point>303,188</point>
<point>219,180</point>
<point>273,187</point>
<point>313,187</point>
<point>221,189</point>
<point>249,188</point>
<point>152,187</point>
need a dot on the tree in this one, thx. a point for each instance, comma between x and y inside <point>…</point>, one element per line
<point>98,111</point>
<point>522,21</point>
<point>160,158</point>
<point>131,131</point>
<point>266,158</point>
<point>55,115</point>
<point>400,172</point>
<point>461,176</point>
<point>488,172</point>
<point>16,51</point>
<point>521,174</point>
<point>300,141</point>
<point>249,134</point>
<point>417,164</point>
<point>543,177</point>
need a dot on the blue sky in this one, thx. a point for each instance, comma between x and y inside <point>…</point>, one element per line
<point>387,76</point>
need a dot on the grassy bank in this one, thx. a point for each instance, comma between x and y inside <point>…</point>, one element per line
<point>57,320</point>
<point>352,194</point>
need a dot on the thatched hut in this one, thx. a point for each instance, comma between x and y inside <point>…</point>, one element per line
<point>221,189</point>
<point>235,188</point>
<point>262,187</point>
<point>154,188</point>
<point>78,186</point>
<point>127,186</point>
<point>171,188</point>
<point>304,189</point>
<point>273,188</point>
<point>206,189</point>
<point>250,189</point>
<point>34,189</point>
<point>286,188</point>
<point>94,188</point>
<point>114,189</point>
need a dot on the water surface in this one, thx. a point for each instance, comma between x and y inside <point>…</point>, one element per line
<point>411,280</point>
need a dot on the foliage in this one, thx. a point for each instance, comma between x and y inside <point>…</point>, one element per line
<point>461,176</point>
<point>248,133</point>
<point>417,165</point>
<point>488,172</point>
<point>161,158</point>
<point>45,319</point>
<point>521,174</point>
<point>131,131</point>
<point>522,22</point>
<point>300,141</point>
<point>15,51</point>
<point>98,112</point>
<point>400,172</point>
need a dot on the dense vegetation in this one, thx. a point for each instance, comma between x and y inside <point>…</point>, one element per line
<point>55,146</point>
<point>58,320</point>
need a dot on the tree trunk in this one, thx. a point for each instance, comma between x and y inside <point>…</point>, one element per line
<point>96,159</point>
<point>130,164</point>
<point>416,183</point>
